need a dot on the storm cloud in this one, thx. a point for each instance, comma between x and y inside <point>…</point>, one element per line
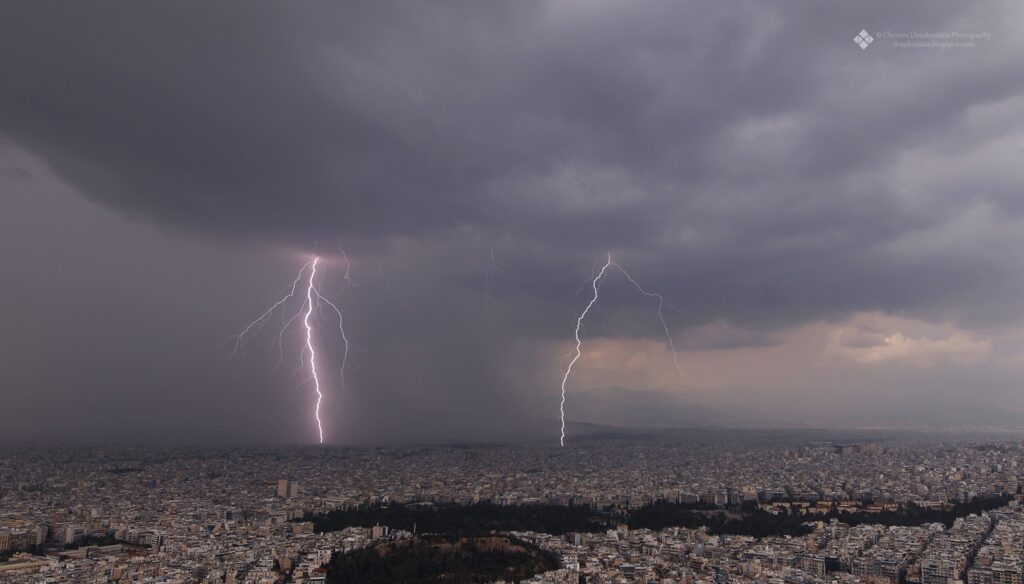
<point>746,159</point>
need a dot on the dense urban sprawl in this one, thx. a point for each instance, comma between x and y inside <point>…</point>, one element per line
<point>103,515</point>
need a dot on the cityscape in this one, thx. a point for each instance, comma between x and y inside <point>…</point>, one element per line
<point>512,292</point>
<point>247,516</point>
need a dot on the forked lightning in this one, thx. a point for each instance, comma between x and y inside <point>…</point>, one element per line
<point>595,285</point>
<point>313,299</point>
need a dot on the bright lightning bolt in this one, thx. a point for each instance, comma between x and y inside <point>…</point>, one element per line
<point>313,300</point>
<point>263,318</point>
<point>579,325</point>
<point>579,343</point>
<point>309,346</point>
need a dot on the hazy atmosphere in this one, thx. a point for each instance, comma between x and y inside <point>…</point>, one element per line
<point>837,231</point>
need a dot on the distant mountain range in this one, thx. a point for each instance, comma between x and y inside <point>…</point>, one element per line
<point>623,408</point>
<point>635,408</point>
<point>619,413</point>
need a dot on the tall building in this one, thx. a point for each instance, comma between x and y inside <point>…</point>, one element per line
<point>287,489</point>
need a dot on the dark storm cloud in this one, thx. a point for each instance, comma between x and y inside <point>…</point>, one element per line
<point>744,157</point>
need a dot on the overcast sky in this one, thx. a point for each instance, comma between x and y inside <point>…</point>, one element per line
<point>839,230</point>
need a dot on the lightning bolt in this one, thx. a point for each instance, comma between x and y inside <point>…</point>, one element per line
<point>313,300</point>
<point>594,284</point>
<point>260,322</point>
<point>661,317</point>
<point>489,277</point>
<point>309,347</point>
<point>579,343</point>
<point>341,331</point>
<point>384,278</point>
<point>487,290</point>
<point>348,272</point>
<point>280,337</point>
